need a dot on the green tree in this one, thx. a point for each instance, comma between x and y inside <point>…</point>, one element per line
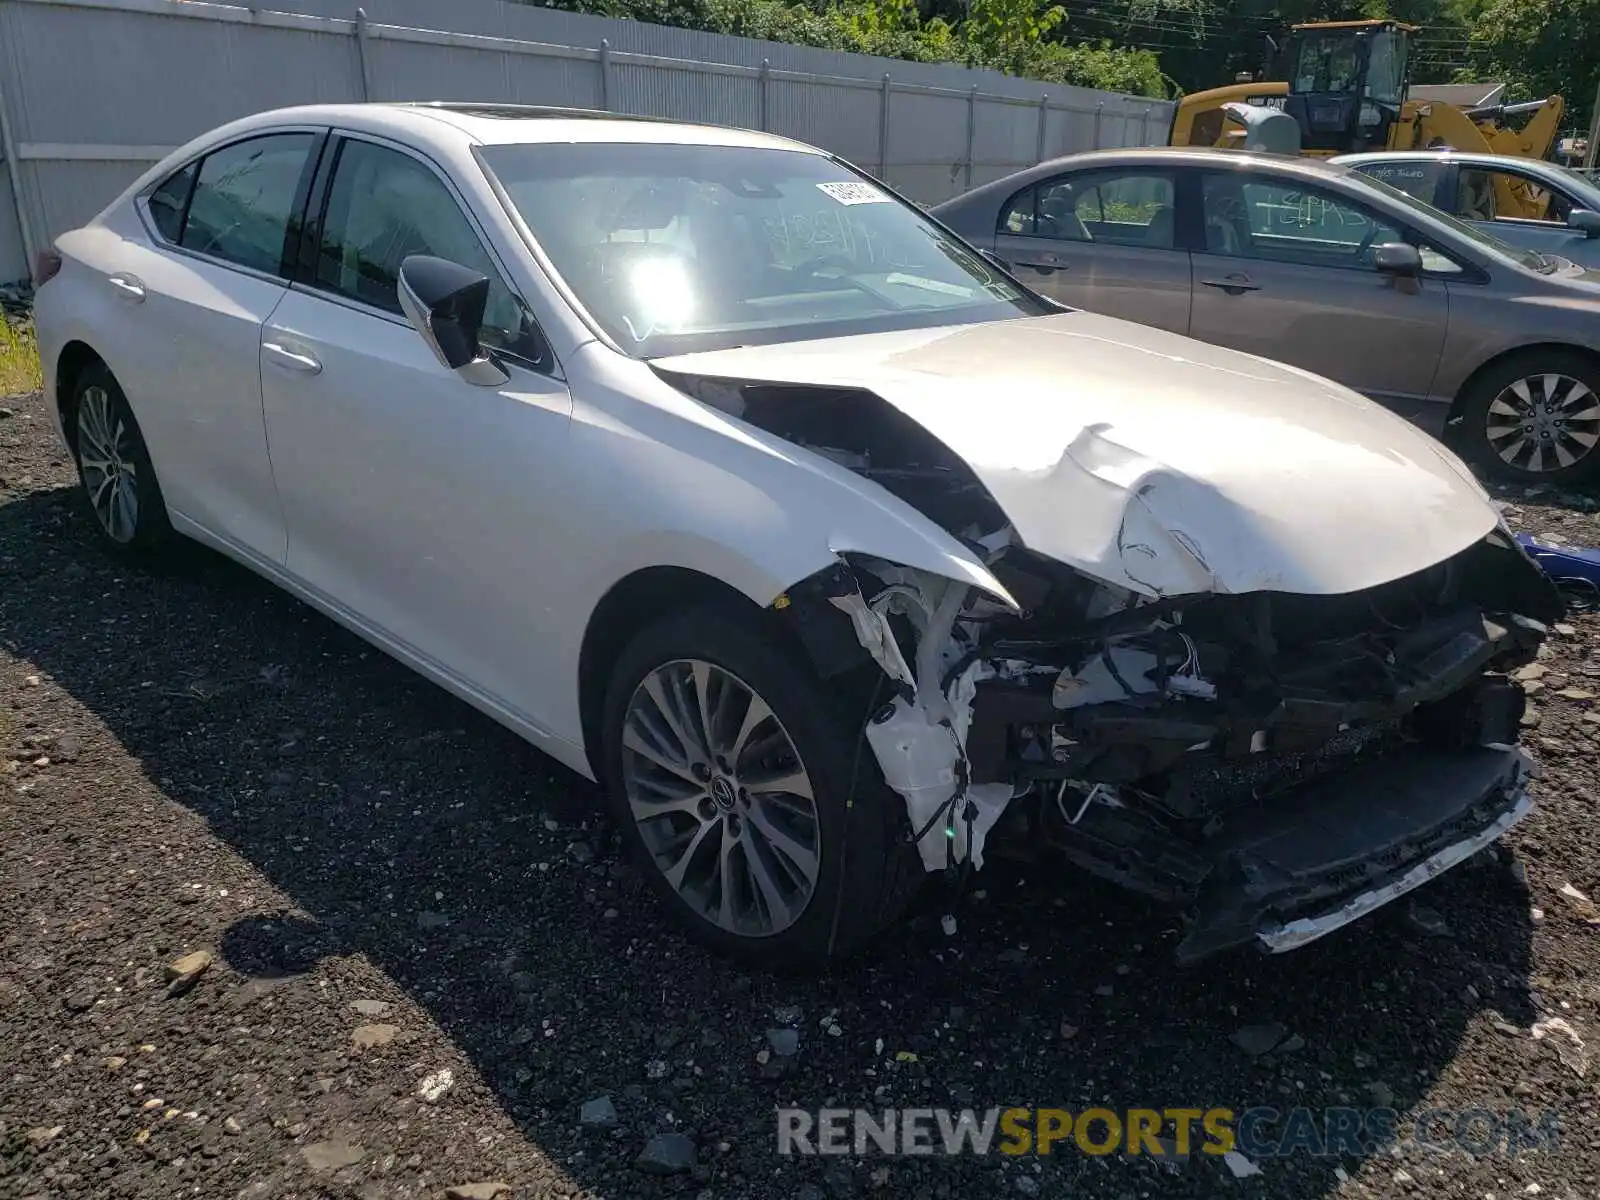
<point>1541,48</point>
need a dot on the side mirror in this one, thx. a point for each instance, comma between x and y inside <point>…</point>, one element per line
<point>1398,259</point>
<point>1585,222</point>
<point>444,302</point>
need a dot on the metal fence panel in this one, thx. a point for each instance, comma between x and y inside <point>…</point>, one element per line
<point>847,120</point>
<point>92,90</point>
<point>689,95</point>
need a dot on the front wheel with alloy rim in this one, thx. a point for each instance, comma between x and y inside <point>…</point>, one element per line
<point>1535,418</point>
<point>114,466</point>
<point>728,767</point>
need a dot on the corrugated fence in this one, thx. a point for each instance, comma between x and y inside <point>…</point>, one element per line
<point>95,90</point>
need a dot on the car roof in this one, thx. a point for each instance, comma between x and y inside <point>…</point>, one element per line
<point>1309,168</point>
<point>491,124</point>
<point>1457,156</point>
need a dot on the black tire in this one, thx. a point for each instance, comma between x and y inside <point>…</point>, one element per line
<point>98,417</point>
<point>1504,428</point>
<point>866,871</point>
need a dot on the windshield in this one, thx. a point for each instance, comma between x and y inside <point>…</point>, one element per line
<point>679,248</point>
<point>1326,62</point>
<point>1526,259</point>
<point>1386,68</point>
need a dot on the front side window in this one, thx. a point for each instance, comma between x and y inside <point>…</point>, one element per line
<point>384,206</point>
<point>1488,195</point>
<point>673,248</point>
<point>1289,222</point>
<point>244,199</point>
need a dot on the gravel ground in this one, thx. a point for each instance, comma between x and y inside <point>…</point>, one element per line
<point>402,899</point>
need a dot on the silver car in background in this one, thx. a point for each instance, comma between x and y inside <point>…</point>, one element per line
<point>1523,202</point>
<point>1320,267</point>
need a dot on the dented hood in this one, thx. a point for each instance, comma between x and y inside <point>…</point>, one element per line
<point>1155,462</point>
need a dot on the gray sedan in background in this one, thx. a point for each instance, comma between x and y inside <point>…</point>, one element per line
<point>1320,267</point>
<point>1523,202</point>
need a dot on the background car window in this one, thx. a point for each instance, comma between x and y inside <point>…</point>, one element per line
<point>1419,179</point>
<point>1487,195</point>
<point>1017,217</point>
<point>1128,208</point>
<point>1286,222</point>
<point>244,198</point>
<point>385,206</point>
<point>169,201</point>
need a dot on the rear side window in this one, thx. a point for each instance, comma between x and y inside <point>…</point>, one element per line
<point>170,201</point>
<point>1418,179</point>
<point>244,199</point>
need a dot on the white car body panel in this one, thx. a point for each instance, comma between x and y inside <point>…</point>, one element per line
<point>1154,462</point>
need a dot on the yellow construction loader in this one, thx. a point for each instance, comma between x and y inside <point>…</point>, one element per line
<point>1347,90</point>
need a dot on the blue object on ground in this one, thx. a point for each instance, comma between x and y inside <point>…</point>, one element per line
<point>1573,569</point>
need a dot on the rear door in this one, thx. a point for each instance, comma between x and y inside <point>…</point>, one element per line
<point>1287,271</point>
<point>185,343</point>
<point>1104,241</point>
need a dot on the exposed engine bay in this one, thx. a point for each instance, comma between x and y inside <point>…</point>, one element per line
<point>1276,763</point>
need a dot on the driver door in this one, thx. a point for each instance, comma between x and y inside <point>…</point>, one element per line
<point>1287,272</point>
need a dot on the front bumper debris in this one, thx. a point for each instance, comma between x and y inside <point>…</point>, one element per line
<point>1315,861</point>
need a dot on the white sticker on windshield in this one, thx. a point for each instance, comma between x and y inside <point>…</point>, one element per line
<point>853,193</point>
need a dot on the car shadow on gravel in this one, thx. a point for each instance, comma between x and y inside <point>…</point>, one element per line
<point>408,829</point>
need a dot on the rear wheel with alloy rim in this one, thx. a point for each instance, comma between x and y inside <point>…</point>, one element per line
<point>1536,418</point>
<point>114,466</point>
<point>728,766</point>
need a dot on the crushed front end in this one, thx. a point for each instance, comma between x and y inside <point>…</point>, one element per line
<point>1275,764</point>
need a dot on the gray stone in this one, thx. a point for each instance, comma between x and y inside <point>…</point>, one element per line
<point>332,1156</point>
<point>368,1037</point>
<point>431,920</point>
<point>1429,920</point>
<point>784,1042</point>
<point>477,1191</point>
<point>1256,1040</point>
<point>666,1154</point>
<point>598,1113</point>
<point>185,972</point>
<point>372,1008</point>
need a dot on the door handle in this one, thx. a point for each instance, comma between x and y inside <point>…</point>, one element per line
<point>291,360</point>
<point>127,286</point>
<point>1046,267</point>
<point>1234,285</point>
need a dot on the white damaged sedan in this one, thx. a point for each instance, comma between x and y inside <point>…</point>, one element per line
<point>727,478</point>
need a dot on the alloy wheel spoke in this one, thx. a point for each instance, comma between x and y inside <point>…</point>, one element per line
<point>764,829</point>
<point>767,888</point>
<point>756,714</point>
<point>633,739</point>
<point>791,781</point>
<point>676,872</point>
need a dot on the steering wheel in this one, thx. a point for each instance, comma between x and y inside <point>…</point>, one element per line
<point>1366,243</point>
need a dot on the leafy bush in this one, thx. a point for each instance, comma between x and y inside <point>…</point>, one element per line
<point>1019,37</point>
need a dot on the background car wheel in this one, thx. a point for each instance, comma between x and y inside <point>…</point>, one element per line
<point>728,767</point>
<point>114,467</point>
<point>1535,418</point>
